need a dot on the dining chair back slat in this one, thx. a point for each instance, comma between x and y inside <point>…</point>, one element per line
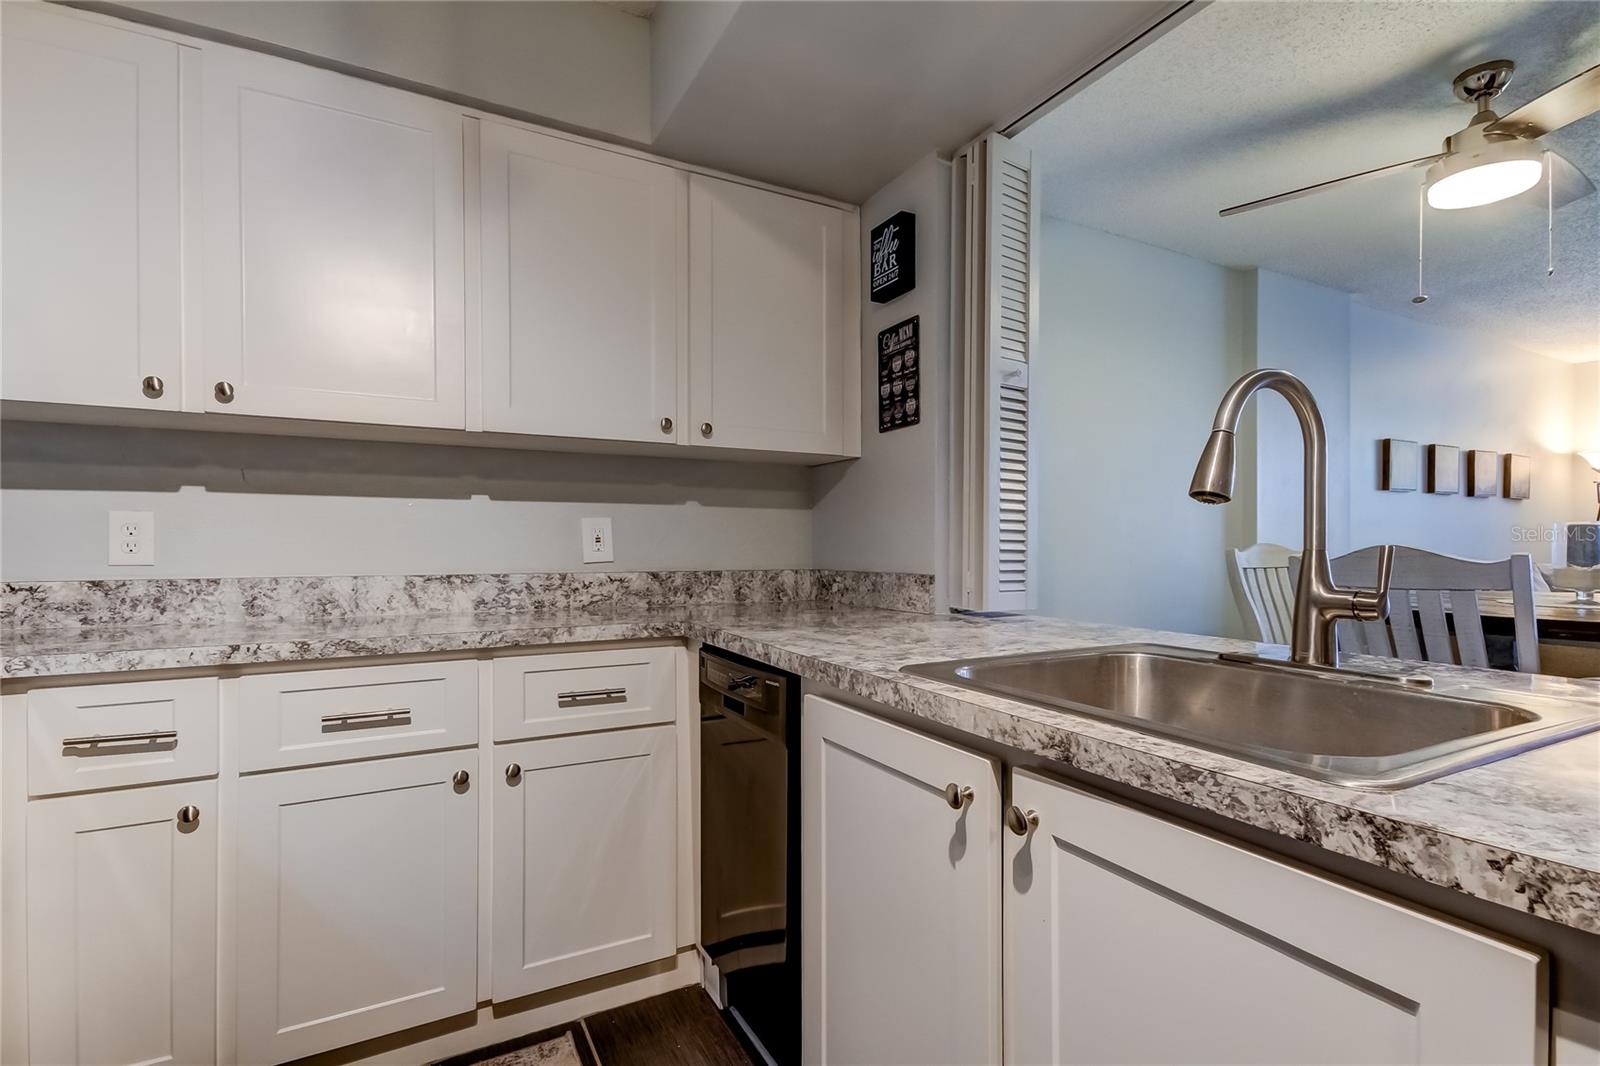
<point>1440,592</point>
<point>1259,576</point>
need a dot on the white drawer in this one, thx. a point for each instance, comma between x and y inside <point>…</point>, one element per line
<point>579,692</point>
<point>107,736</point>
<point>323,716</point>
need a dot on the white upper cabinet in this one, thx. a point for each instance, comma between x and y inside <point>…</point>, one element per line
<point>900,894</point>
<point>1129,938</point>
<point>334,252</point>
<point>92,308</point>
<point>771,285</point>
<point>584,302</point>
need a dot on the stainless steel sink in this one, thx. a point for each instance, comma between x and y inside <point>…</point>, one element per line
<point>1350,729</point>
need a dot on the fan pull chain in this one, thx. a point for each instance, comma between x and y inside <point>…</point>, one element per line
<point>1549,217</point>
<point>1422,203</point>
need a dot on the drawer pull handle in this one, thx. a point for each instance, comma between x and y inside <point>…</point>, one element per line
<point>957,796</point>
<point>592,697</point>
<point>188,815</point>
<point>155,736</point>
<point>513,774</point>
<point>367,719</point>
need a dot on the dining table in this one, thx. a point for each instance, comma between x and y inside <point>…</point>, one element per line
<point>1569,630</point>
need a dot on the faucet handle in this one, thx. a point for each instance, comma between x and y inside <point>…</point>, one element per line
<point>1374,606</point>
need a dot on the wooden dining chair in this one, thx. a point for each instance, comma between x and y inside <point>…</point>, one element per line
<point>1259,575</point>
<point>1437,590</point>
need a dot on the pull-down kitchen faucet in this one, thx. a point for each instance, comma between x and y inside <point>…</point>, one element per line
<point>1318,602</point>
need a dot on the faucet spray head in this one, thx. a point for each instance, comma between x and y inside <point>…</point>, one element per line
<point>1213,475</point>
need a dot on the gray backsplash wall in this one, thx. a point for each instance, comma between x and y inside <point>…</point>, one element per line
<point>244,505</point>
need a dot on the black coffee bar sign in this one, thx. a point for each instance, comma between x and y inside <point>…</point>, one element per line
<point>894,257</point>
<point>899,376</point>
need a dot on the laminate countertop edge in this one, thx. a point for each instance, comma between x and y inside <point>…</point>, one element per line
<point>1523,833</point>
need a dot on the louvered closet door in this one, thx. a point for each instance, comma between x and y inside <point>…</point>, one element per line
<point>1001,312</point>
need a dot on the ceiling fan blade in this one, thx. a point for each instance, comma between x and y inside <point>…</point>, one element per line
<point>1295,194</point>
<point>1575,98</point>
<point>1568,183</point>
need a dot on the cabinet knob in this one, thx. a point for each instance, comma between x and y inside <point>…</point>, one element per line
<point>224,392</point>
<point>1020,821</point>
<point>460,779</point>
<point>705,429</point>
<point>188,815</point>
<point>666,425</point>
<point>513,774</point>
<point>958,796</point>
<point>154,387</point>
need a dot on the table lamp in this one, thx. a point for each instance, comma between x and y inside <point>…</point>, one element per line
<point>1593,459</point>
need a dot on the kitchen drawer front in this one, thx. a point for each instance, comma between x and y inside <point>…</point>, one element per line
<point>579,692</point>
<point>108,736</point>
<point>326,716</point>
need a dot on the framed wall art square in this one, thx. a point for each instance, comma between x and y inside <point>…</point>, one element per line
<point>1482,472</point>
<point>1399,467</point>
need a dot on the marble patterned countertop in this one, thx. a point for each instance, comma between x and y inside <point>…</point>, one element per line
<point>1523,832</point>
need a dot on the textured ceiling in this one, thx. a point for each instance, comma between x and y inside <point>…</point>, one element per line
<point>1246,99</point>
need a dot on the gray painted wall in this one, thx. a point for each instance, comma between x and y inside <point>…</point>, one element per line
<point>887,510</point>
<point>1304,329</point>
<point>1136,345</point>
<point>1437,385</point>
<point>235,505</point>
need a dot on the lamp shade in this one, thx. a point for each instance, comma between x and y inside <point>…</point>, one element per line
<point>1592,458</point>
<point>1495,172</point>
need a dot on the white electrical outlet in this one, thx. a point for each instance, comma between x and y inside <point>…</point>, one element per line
<point>597,540</point>
<point>132,540</point>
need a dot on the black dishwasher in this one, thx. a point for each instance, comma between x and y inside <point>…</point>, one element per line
<point>750,844</point>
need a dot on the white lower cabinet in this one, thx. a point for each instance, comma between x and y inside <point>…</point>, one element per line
<point>900,911</point>
<point>585,856</point>
<point>1131,938</point>
<point>121,926</point>
<point>356,912</point>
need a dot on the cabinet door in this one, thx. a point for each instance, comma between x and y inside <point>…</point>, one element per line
<point>334,246</point>
<point>767,325</point>
<point>584,295</point>
<point>900,918</point>
<point>91,299</point>
<point>1130,938</point>
<point>122,927</point>
<point>585,857</point>
<point>357,902</point>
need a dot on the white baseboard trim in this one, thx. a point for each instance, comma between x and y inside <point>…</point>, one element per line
<point>496,1022</point>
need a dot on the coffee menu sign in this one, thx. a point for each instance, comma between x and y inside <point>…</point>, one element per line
<point>894,257</point>
<point>899,376</point>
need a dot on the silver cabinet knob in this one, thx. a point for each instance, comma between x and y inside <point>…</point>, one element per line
<point>1020,821</point>
<point>154,387</point>
<point>513,774</point>
<point>460,779</point>
<point>224,392</point>
<point>705,429</point>
<point>958,796</point>
<point>188,815</point>
<point>666,425</point>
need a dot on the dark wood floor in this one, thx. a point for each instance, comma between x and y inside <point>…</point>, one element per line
<point>681,1028</point>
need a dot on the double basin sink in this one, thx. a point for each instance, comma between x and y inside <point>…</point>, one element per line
<point>1350,729</point>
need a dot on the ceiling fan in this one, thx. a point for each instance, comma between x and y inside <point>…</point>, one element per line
<point>1492,158</point>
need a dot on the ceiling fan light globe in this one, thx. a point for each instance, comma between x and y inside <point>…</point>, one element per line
<point>1473,179</point>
